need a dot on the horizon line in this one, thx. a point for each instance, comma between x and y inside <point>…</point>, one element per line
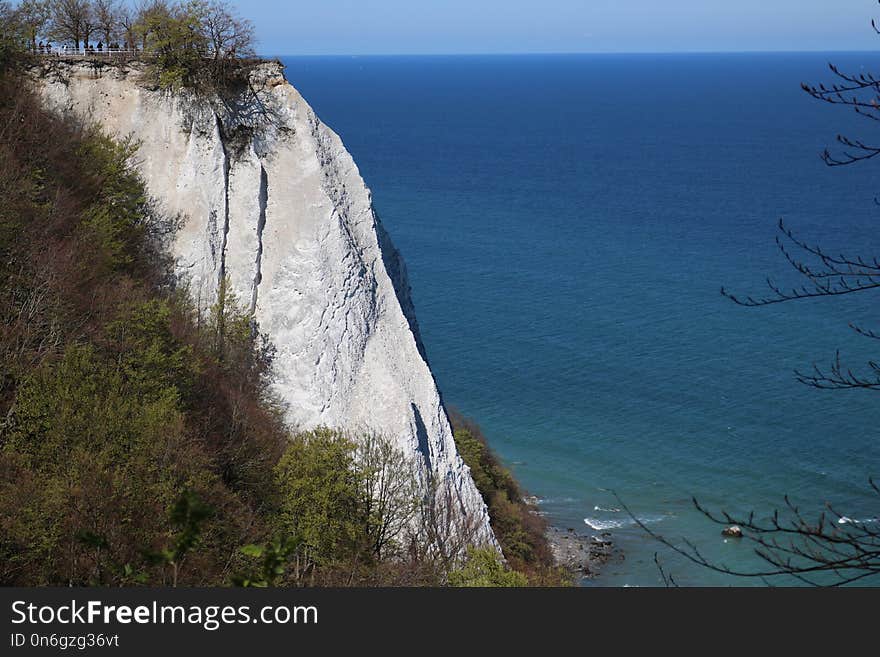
<point>585,52</point>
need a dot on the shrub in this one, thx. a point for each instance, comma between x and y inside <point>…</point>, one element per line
<point>116,401</point>
<point>483,568</point>
<point>520,531</point>
<point>320,496</point>
<point>177,44</point>
<point>389,494</point>
<point>350,504</point>
<point>110,453</point>
<point>13,39</point>
<point>197,44</point>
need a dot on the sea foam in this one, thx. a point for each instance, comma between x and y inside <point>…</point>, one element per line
<point>599,524</point>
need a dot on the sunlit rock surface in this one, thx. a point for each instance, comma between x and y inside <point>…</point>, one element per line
<point>271,200</point>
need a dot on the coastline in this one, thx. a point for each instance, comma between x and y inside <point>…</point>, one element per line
<point>581,554</point>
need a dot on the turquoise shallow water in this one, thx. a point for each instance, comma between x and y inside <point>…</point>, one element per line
<point>568,222</point>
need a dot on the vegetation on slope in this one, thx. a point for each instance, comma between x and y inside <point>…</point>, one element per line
<point>116,403</point>
<point>138,441</point>
<point>517,526</point>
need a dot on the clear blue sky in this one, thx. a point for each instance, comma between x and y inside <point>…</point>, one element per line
<point>528,26</point>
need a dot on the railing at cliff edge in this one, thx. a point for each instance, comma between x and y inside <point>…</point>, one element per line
<point>97,55</point>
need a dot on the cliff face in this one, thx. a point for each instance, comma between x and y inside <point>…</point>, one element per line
<point>271,201</point>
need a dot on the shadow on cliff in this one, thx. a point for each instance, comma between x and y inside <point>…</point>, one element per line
<point>247,112</point>
<point>396,268</point>
<point>422,435</point>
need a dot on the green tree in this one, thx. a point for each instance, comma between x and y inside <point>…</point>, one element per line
<point>274,560</point>
<point>484,568</point>
<point>91,441</point>
<point>117,221</point>
<point>173,36</point>
<point>148,354</point>
<point>389,493</point>
<point>187,517</point>
<point>197,44</point>
<point>233,328</point>
<point>320,493</point>
<point>113,402</point>
<point>33,15</point>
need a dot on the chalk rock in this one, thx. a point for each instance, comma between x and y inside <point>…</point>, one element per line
<point>271,201</point>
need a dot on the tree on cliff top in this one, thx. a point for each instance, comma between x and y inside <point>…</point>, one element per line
<point>229,35</point>
<point>33,16</point>
<point>14,37</point>
<point>197,44</point>
<point>174,38</point>
<point>71,21</point>
<point>126,20</point>
<point>107,15</point>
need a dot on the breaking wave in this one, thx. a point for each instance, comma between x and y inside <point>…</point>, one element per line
<point>600,524</point>
<point>850,521</point>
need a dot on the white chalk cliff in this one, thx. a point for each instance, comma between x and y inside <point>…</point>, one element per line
<point>271,200</point>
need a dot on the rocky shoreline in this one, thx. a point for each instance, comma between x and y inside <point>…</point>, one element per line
<point>583,555</point>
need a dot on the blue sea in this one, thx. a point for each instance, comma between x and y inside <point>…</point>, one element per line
<point>568,222</point>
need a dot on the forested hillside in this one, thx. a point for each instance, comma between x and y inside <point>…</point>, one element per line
<point>139,443</point>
